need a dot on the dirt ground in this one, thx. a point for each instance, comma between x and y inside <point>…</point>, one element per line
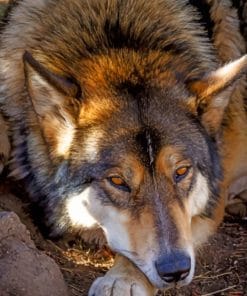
<point>221,264</point>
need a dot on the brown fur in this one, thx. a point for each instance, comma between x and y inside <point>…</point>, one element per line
<point>136,94</point>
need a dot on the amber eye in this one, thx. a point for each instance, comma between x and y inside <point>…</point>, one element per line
<point>119,183</point>
<point>181,172</point>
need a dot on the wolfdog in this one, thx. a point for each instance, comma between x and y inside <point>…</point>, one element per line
<point>127,123</point>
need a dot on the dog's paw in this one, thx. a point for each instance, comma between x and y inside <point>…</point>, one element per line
<point>123,279</point>
<point>110,285</point>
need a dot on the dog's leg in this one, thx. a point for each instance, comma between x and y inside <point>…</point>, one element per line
<point>123,279</point>
<point>4,143</point>
<point>238,206</point>
<point>237,198</point>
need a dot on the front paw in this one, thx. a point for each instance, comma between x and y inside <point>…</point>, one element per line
<point>111,285</point>
<point>123,279</point>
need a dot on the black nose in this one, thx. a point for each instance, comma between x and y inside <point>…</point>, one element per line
<point>174,266</point>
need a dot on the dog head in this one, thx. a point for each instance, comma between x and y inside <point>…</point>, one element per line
<point>132,149</point>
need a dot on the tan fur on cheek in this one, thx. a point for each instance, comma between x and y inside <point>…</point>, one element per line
<point>111,220</point>
<point>127,234</point>
<point>181,219</point>
<point>142,235</point>
<point>116,231</point>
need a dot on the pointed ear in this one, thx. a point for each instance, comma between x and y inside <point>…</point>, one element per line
<point>212,93</point>
<point>55,101</point>
<point>47,88</point>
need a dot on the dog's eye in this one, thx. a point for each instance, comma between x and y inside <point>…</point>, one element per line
<point>118,182</point>
<point>181,173</point>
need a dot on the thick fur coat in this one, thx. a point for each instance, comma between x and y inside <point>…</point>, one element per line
<point>127,123</point>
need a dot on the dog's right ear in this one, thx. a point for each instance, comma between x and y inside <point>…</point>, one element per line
<point>55,99</point>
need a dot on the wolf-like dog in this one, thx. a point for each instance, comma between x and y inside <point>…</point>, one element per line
<point>127,122</point>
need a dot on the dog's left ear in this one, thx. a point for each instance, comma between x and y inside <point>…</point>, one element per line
<point>212,93</point>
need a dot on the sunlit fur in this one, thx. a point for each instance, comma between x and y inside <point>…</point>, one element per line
<point>134,90</point>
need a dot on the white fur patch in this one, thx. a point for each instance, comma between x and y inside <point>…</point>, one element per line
<point>91,145</point>
<point>77,209</point>
<point>65,139</point>
<point>38,80</point>
<point>5,67</point>
<point>116,232</point>
<point>199,196</point>
<point>86,210</point>
<point>230,70</point>
<point>220,80</point>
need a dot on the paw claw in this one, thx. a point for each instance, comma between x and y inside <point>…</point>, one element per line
<point>118,286</point>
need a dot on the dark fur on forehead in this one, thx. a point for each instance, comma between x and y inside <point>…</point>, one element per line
<point>147,139</point>
<point>148,144</point>
<point>133,89</point>
<point>137,92</point>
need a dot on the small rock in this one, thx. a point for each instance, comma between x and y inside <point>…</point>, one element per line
<point>11,226</point>
<point>24,270</point>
